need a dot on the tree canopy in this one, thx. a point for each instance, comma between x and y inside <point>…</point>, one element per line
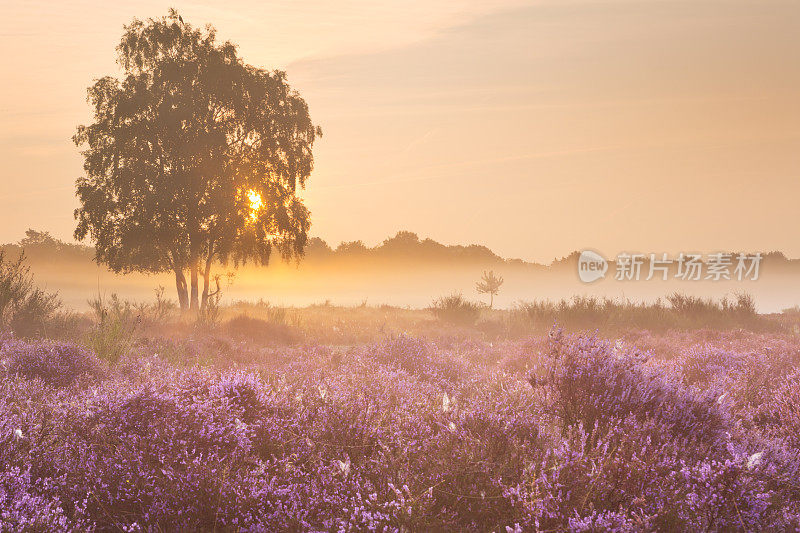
<point>194,157</point>
<point>489,284</point>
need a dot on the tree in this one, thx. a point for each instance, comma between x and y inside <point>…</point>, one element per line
<point>193,158</point>
<point>38,238</point>
<point>489,284</point>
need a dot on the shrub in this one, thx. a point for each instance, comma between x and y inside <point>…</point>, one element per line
<point>244,392</point>
<point>589,382</point>
<point>24,308</point>
<point>678,312</point>
<point>22,509</point>
<point>636,478</point>
<point>419,358</point>
<point>57,364</point>
<point>266,331</point>
<point>157,312</point>
<point>785,409</point>
<point>589,312</point>
<point>116,324</point>
<point>692,311</point>
<point>455,309</point>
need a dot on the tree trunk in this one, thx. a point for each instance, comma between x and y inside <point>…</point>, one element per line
<point>491,300</point>
<point>206,282</point>
<point>183,293</point>
<point>207,275</point>
<point>194,304</point>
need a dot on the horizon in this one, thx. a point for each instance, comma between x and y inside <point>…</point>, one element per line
<point>404,271</point>
<point>421,239</point>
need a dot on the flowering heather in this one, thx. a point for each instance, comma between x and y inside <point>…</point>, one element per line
<point>561,433</point>
<point>57,364</point>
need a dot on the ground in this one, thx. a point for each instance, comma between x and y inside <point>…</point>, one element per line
<point>370,418</point>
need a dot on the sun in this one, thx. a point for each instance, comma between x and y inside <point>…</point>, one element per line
<point>255,204</point>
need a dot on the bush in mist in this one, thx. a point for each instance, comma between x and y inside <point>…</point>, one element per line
<point>272,330</point>
<point>677,312</point>
<point>455,309</point>
<point>24,308</point>
<point>116,322</point>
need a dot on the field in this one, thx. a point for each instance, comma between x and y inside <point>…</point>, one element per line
<point>384,419</point>
<point>539,274</point>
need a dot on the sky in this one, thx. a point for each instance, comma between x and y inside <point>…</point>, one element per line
<point>534,128</point>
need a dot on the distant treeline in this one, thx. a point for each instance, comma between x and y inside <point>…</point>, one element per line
<point>405,246</point>
<point>40,246</point>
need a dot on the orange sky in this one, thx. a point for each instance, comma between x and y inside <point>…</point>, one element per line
<point>535,128</point>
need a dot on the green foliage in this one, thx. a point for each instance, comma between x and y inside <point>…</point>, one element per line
<point>455,309</point>
<point>114,332</point>
<point>180,146</point>
<point>24,308</point>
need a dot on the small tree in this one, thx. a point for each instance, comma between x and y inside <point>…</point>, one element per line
<point>489,284</point>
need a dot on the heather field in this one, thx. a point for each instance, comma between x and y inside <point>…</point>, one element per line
<point>383,419</point>
<point>540,273</point>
